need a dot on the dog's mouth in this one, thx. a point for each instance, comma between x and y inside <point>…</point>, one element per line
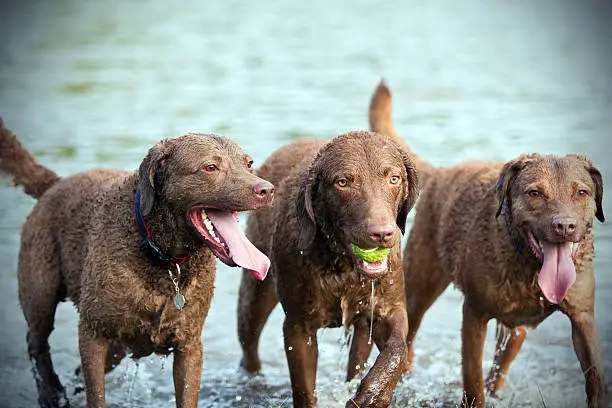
<point>220,232</point>
<point>558,272</point>
<point>373,262</point>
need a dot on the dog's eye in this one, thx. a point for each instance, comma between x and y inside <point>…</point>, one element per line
<point>209,168</point>
<point>583,193</point>
<point>342,182</point>
<point>534,193</point>
<point>394,179</point>
<point>250,164</point>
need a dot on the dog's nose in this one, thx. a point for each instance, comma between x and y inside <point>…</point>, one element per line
<point>264,189</point>
<point>381,233</point>
<point>564,225</point>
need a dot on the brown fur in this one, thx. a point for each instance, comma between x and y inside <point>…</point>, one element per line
<point>23,168</point>
<point>307,234</point>
<point>471,228</point>
<point>80,242</point>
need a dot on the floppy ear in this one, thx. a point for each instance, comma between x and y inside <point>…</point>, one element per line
<point>304,211</point>
<point>506,179</point>
<point>411,194</point>
<point>152,163</point>
<point>598,180</point>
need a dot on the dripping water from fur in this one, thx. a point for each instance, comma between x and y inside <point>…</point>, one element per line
<point>371,313</point>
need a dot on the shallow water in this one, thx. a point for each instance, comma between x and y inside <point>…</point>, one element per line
<point>95,84</point>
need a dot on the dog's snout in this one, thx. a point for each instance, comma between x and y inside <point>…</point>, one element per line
<point>381,233</point>
<point>264,189</point>
<point>564,226</point>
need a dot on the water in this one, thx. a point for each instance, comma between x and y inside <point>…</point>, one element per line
<point>95,84</point>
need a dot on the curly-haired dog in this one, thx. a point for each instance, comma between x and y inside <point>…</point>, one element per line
<point>516,239</point>
<point>140,286</point>
<point>339,209</point>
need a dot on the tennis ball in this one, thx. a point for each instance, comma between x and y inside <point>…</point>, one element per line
<point>370,255</point>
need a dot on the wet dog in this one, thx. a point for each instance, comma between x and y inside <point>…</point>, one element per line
<point>333,237</point>
<point>135,252</point>
<point>516,238</point>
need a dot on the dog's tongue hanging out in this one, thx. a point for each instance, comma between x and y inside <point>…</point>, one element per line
<point>242,251</point>
<point>558,272</point>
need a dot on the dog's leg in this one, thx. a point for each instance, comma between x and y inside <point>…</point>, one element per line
<point>376,388</point>
<point>509,342</point>
<point>586,345</point>
<point>94,350</point>
<point>256,300</point>
<point>473,334</point>
<point>187,374</point>
<point>361,348</point>
<point>39,293</point>
<point>51,393</point>
<point>302,352</point>
<point>425,282</point>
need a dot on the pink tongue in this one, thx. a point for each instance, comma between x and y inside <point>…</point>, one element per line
<point>242,251</point>
<point>558,272</point>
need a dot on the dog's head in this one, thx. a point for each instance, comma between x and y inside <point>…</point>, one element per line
<point>357,193</point>
<point>204,180</point>
<point>550,203</point>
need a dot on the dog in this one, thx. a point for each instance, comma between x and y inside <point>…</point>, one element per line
<point>335,200</point>
<point>516,238</point>
<point>135,252</point>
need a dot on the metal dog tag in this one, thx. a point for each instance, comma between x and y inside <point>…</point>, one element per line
<point>179,301</point>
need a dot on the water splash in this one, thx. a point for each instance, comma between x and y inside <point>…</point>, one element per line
<point>131,387</point>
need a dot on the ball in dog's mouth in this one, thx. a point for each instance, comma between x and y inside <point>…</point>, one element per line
<point>372,261</point>
<point>220,231</point>
<point>558,272</point>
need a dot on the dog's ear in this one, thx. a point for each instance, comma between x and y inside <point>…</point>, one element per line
<point>598,180</point>
<point>411,194</point>
<point>304,208</point>
<point>150,167</point>
<point>506,178</point>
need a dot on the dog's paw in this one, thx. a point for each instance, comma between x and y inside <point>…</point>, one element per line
<point>53,399</point>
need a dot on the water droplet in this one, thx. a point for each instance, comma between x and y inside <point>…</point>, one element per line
<point>391,281</point>
<point>301,252</point>
<point>309,342</point>
<point>289,348</point>
<point>361,302</point>
<point>372,313</point>
<point>541,298</point>
<point>357,367</point>
<point>238,397</point>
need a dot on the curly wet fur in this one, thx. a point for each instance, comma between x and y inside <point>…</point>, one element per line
<point>471,228</point>
<point>307,234</point>
<point>80,242</point>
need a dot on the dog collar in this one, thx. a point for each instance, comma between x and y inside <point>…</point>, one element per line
<point>148,246</point>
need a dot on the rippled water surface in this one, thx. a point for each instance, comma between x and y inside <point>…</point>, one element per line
<point>89,84</point>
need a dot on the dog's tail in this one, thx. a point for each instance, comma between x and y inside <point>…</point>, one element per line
<point>17,162</point>
<point>381,121</point>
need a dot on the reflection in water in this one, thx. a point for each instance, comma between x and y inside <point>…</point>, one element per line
<point>94,85</point>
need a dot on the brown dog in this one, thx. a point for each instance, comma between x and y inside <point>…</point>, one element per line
<point>516,239</point>
<point>86,240</point>
<point>355,190</point>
